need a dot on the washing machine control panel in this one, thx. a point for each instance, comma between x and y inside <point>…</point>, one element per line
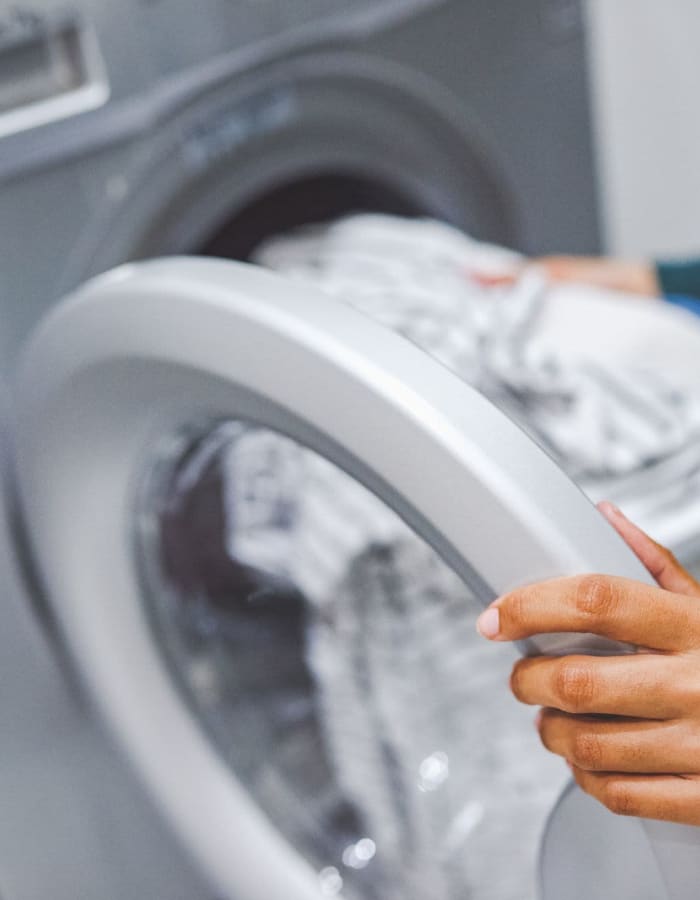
<point>55,49</point>
<point>50,67</point>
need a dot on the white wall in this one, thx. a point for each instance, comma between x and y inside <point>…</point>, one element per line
<point>645,65</point>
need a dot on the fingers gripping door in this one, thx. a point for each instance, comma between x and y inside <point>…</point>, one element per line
<point>266,525</point>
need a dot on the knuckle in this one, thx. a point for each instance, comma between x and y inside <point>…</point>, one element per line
<point>587,751</point>
<point>574,687</point>
<point>513,610</point>
<point>617,797</point>
<point>595,597</point>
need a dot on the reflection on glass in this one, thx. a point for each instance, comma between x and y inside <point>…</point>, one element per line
<point>331,656</point>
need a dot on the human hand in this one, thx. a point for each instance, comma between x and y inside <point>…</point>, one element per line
<point>629,726</point>
<point>629,276</point>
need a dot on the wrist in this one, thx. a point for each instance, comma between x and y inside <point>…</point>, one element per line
<point>642,278</point>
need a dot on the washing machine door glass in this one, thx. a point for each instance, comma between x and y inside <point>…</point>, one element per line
<point>331,655</point>
<point>267,525</point>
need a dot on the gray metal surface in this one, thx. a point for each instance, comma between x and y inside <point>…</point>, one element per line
<point>588,853</point>
<point>476,112</point>
<point>74,820</point>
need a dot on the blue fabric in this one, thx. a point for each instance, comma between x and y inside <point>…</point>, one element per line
<point>679,277</point>
<point>690,303</point>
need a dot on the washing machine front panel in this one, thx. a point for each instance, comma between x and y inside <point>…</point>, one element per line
<point>171,413</point>
<point>501,89</point>
<point>375,135</point>
<point>50,52</point>
<point>215,174</point>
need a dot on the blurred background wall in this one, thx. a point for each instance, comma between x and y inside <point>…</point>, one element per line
<point>645,72</point>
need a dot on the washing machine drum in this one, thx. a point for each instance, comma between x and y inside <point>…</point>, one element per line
<point>265,526</point>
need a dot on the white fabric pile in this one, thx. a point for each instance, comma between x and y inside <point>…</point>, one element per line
<point>623,431</point>
<point>440,764</point>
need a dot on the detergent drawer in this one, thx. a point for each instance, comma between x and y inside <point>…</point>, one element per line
<point>266,526</point>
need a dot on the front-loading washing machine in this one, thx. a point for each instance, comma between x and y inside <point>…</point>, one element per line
<point>151,128</point>
<point>263,526</point>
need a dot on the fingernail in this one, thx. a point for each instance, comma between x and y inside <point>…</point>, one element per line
<point>538,719</point>
<point>488,623</point>
<point>610,510</point>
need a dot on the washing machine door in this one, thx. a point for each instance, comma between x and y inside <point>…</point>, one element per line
<point>265,526</point>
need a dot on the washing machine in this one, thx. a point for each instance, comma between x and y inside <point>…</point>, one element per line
<point>180,709</point>
<point>263,526</point>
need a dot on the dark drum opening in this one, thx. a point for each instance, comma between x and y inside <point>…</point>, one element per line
<point>311,200</point>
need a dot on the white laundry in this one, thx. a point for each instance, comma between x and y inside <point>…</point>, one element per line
<point>626,431</point>
<point>400,677</point>
<point>413,276</point>
<point>623,431</point>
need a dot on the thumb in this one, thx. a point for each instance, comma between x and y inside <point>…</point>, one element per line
<point>661,564</point>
